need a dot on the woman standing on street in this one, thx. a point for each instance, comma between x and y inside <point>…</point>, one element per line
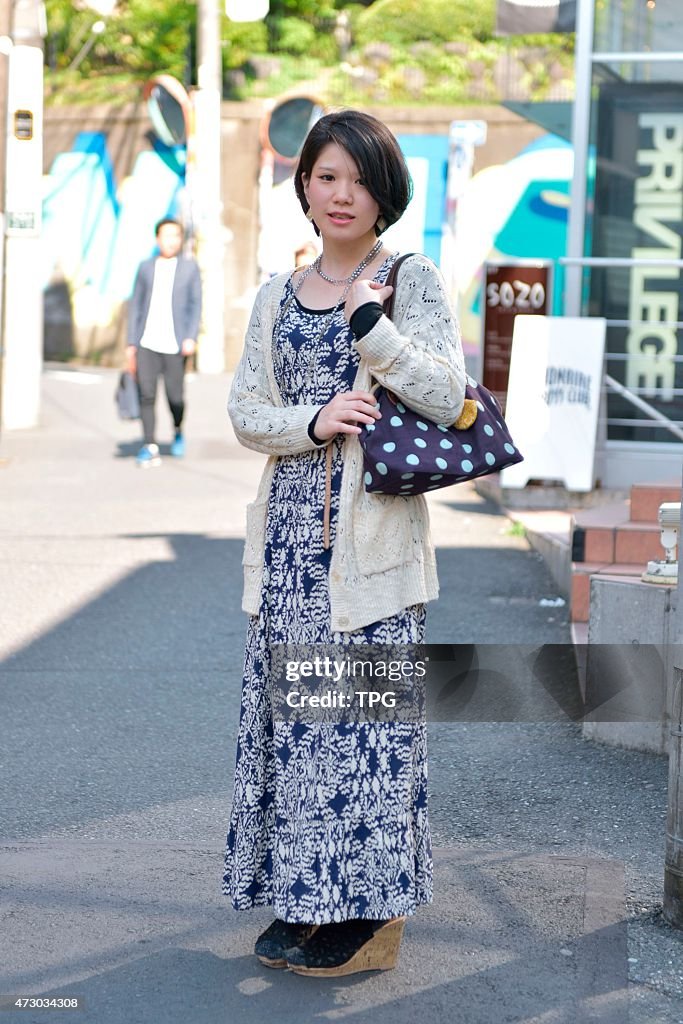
<point>329,822</point>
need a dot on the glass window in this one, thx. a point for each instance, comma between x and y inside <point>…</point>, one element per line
<point>623,26</point>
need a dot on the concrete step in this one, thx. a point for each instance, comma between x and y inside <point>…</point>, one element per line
<point>581,577</point>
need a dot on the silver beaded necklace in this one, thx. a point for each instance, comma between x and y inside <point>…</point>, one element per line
<point>317,263</point>
<point>311,363</point>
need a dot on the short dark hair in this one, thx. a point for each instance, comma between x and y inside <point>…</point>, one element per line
<point>167,220</point>
<point>375,152</point>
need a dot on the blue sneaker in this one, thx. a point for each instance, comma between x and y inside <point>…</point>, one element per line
<point>178,446</point>
<point>148,456</point>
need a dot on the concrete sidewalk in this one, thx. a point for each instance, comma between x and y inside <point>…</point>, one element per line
<point>120,670</point>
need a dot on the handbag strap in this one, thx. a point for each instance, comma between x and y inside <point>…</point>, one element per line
<point>388,306</point>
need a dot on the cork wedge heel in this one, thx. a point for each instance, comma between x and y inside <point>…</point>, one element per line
<point>325,958</point>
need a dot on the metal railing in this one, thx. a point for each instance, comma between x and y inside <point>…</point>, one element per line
<point>649,410</point>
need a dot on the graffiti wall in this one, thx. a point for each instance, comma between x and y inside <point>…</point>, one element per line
<point>108,180</point>
<point>97,230</point>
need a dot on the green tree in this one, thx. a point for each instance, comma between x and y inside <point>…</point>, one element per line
<point>147,36</point>
<point>311,10</point>
<point>141,37</point>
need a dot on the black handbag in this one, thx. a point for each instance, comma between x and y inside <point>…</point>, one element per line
<point>405,453</point>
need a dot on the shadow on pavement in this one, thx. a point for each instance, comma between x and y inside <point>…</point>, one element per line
<point>510,938</point>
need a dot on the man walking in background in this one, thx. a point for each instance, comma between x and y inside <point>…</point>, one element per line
<point>163,324</point>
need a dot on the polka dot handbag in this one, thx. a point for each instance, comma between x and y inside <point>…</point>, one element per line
<point>404,453</point>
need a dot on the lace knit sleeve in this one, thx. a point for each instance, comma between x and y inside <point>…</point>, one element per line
<point>258,417</point>
<point>419,355</point>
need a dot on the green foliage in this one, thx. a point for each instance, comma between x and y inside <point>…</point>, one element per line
<point>406,21</point>
<point>144,36</point>
<point>289,72</point>
<point>515,529</point>
<point>402,51</point>
<point>310,9</point>
<point>241,40</point>
<point>150,35</point>
<point>66,88</point>
<point>294,35</point>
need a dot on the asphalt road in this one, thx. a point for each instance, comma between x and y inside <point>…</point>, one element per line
<point>121,644</point>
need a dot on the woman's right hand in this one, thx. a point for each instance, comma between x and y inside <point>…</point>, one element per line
<point>344,412</point>
<point>132,360</point>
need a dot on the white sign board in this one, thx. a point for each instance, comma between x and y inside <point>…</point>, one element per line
<point>553,399</point>
<point>24,188</point>
<point>471,132</point>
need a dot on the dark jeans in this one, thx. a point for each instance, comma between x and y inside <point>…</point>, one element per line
<point>151,365</point>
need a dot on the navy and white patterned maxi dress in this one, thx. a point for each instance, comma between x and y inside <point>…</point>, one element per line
<point>329,820</point>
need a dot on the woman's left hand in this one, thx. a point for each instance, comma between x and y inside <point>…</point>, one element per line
<point>365,291</point>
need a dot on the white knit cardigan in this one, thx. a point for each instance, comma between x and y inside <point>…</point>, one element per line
<point>383,557</point>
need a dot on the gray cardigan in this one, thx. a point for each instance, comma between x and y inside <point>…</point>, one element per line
<point>187,300</point>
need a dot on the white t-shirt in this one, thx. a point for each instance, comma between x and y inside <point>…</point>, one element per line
<point>159,333</point>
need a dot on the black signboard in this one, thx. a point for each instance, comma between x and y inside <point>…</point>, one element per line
<point>638,215</point>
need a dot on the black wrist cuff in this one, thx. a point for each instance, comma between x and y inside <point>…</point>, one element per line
<point>311,430</point>
<point>365,317</point>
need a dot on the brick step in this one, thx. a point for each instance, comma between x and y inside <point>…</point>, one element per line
<point>593,531</point>
<point>646,499</point>
<point>637,543</point>
<point>617,538</point>
<point>581,577</point>
<point>625,541</point>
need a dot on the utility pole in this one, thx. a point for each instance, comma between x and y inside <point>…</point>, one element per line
<point>208,208</point>
<point>673,865</point>
<point>23,298</point>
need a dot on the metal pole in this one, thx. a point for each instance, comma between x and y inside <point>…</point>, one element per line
<point>617,261</point>
<point>673,863</point>
<point>207,199</point>
<point>639,57</point>
<point>583,70</point>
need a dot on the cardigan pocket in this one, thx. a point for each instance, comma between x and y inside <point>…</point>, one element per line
<point>382,536</point>
<point>255,537</point>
